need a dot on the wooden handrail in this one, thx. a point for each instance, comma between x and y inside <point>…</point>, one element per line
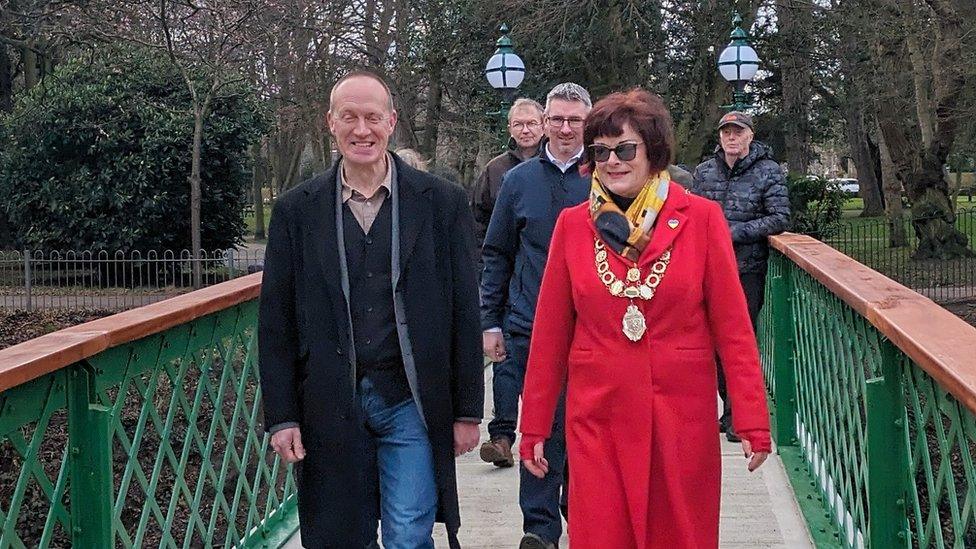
<point>938,341</point>
<point>32,359</point>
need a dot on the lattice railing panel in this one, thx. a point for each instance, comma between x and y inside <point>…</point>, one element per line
<point>942,443</point>
<point>767,321</point>
<point>189,465</point>
<point>889,453</point>
<point>33,465</point>
<point>831,374</point>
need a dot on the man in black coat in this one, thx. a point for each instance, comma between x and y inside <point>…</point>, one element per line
<point>371,370</point>
<point>749,185</point>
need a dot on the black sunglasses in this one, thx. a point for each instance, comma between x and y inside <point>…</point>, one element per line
<point>624,151</point>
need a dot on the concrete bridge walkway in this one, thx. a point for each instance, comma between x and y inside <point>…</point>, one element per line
<point>758,509</point>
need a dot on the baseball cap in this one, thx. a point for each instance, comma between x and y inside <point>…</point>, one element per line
<point>737,118</point>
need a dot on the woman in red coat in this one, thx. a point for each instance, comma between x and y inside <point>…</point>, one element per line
<point>640,292</point>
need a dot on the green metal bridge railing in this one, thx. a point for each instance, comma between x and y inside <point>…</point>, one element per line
<point>143,429</point>
<point>873,392</point>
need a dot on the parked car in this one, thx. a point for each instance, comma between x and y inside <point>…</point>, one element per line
<point>848,185</point>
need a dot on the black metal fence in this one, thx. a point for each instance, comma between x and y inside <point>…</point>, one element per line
<point>112,280</point>
<point>122,280</point>
<point>943,280</point>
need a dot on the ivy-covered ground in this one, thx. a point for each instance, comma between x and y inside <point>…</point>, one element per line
<point>19,326</point>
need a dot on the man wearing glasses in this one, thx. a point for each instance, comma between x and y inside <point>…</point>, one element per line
<point>370,374</point>
<point>525,128</point>
<point>514,254</point>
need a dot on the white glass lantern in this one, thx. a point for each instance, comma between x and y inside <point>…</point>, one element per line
<point>738,62</point>
<point>505,70</point>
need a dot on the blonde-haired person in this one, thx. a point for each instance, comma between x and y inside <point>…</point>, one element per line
<point>413,159</point>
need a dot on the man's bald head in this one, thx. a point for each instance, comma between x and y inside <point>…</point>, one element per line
<point>361,74</point>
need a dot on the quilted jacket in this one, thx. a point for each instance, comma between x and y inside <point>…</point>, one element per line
<point>753,197</point>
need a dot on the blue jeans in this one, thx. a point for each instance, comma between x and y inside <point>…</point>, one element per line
<point>540,499</point>
<point>401,461</point>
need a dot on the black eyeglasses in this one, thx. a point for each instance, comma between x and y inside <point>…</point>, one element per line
<point>624,151</point>
<point>531,124</point>
<point>557,122</point>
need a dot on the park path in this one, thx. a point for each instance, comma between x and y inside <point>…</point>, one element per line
<point>758,509</point>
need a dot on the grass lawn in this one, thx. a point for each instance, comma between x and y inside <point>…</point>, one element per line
<point>853,206</point>
<point>867,241</point>
<point>251,223</point>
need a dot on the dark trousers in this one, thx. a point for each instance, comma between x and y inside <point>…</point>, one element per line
<point>508,376</point>
<point>542,500</point>
<point>754,286</point>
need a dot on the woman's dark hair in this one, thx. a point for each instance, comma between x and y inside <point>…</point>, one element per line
<point>646,114</point>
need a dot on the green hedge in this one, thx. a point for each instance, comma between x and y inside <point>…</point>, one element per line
<point>97,157</point>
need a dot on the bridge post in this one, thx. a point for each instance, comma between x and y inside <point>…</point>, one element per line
<point>887,454</point>
<point>784,365</point>
<point>89,461</point>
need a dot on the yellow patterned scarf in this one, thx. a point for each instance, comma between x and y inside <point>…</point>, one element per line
<point>628,232</point>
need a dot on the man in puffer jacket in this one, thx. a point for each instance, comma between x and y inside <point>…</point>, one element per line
<point>749,185</point>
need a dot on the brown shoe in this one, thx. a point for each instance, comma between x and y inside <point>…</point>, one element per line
<point>498,451</point>
<point>533,541</point>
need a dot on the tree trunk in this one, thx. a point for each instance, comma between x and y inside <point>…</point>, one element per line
<point>892,192</point>
<point>432,118</point>
<point>196,196</point>
<point>257,184</point>
<point>859,108</point>
<point>6,105</point>
<point>29,57</point>
<point>795,26</point>
<point>920,81</point>
<point>322,145</point>
<point>294,167</point>
<point>405,78</point>
<point>919,167</point>
<point>285,154</point>
<point>867,161</point>
<point>933,215</point>
<point>6,81</point>
<point>406,104</point>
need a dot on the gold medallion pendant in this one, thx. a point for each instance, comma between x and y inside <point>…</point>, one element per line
<point>634,323</point>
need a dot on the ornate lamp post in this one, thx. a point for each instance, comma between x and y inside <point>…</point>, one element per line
<point>505,72</point>
<point>738,64</point>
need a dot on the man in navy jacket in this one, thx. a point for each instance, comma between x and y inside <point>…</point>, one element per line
<point>514,255</point>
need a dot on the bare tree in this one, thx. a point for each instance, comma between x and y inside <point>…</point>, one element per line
<point>203,40</point>
<point>919,165</point>
<point>795,22</point>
